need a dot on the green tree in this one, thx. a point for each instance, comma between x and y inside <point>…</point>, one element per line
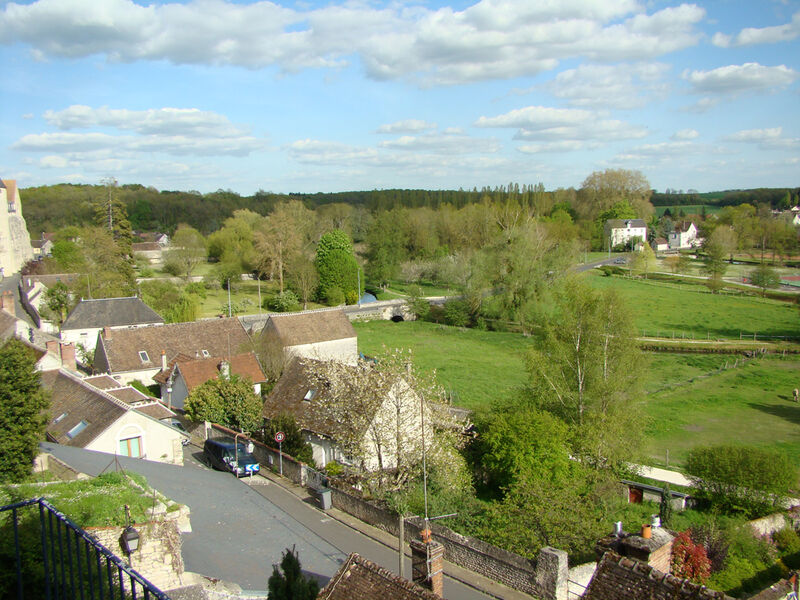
<point>386,246</point>
<point>56,297</point>
<point>765,277</point>
<point>337,266</point>
<point>283,234</point>
<point>643,261</point>
<point>111,214</point>
<point>303,277</point>
<point>188,250</point>
<point>718,247</point>
<point>289,583</point>
<point>295,443</point>
<point>603,189</point>
<point>23,403</point>
<point>745,479</point>
<point>588,372</point>
<point>226,401</point>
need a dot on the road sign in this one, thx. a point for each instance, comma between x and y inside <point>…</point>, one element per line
<point>279,437</point>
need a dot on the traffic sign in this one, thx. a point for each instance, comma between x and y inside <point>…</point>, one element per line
<point>279,437</point>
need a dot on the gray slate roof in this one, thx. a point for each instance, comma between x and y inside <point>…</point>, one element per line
<point>622,223</point>
<point>111,312</point>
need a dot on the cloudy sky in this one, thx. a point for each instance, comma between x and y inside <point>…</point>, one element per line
<point>329,96</point>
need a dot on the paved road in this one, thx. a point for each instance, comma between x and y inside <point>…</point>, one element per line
<point>240,530</point>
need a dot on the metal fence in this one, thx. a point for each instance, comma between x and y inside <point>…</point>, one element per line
<point>54,558</point>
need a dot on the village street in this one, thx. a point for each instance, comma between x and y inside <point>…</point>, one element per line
<point>239,531</point>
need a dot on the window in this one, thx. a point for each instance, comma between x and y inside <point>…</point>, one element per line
<point>131,447</point>
<point>205,353</point>
<point>143,356</point>
<point>59,418</point>
<point>77,429</point>
<point>309,395</point>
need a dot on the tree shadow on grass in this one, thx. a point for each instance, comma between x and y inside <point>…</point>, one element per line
<point>788,413</point>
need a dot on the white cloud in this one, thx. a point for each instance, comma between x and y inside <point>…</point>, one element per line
<point>443,144</point>
<point>161,121</point>
<point>685,134</point>
<point>766,139</point>
<point>740,78</point>
<point>750,36</point>
<point>492,39</point>
<point>557,128</point>
<point>610,86</point>
<point>662,150</point>
<point>406,126</point>
<point>562,146</point>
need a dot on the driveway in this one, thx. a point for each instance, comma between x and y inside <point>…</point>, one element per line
<point>239,530</point>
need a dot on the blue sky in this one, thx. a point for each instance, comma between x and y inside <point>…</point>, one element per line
<point>314,96</point>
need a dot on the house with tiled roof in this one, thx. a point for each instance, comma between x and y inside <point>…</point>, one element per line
<point>140,353</point>
<point>89,317</point>
<point>683,236</point>
<point>318,335</point>
<point>618,577</point>
<point>183,374</point>
<point>359,577</point>
<point>389,414</point>
<point>84,416</point>
<point>622,232</point>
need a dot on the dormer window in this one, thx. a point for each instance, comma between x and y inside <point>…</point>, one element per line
<point>77,429</point>
<point>309,395</point>
<point>143,356</point>
<point>59,418</point>
<point>205,353</point>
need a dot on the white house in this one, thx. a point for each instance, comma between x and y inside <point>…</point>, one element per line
<point>87,417</point>
<point>89,317</point>
<point>178,378</point>
<point>318,334</point>
<point>15,241</point>
<point>618,232</point>
<point>684,236</point>
<point>128,354</point>
<point>392,414</point>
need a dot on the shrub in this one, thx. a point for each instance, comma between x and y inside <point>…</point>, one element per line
<point>416,303</point>
<point>284,302</point>
<point>351,297</point>
<point>196,288</point>
<point>744,479</point>
<point>172,268</point>
<point>689,560</point>
<point>787,540</point>
<point>334,296</point>
<point>334,469</point>
<point>456,313</point>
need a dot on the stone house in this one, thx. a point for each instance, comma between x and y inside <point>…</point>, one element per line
<point>15,241</point>
<point>85,416</point>
<point>128,354</point>
<point>620,232</point>
<point>152,252</point>
<point>89,317</point>
<point>304,393</point>
<point>683,236</point>
<point>178,378</point>
<point>318,335</point>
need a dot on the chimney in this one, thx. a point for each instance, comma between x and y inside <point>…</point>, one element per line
<point>225,369</point>
<point>68,357</point>
<point>106,333</point>
<point>163,360</point>
<point>427,563</point>
<point>7,303</point>
<point>52,346</point>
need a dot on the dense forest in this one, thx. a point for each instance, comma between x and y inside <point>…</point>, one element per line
<point>48,208</point>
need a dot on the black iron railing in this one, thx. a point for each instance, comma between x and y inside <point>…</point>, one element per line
<point>54,559</point>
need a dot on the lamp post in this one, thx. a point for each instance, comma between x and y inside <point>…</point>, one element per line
<point>130,537</point>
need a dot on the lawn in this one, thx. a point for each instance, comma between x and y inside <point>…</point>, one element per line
<point>750,404</point>
<point>689,310</point>
<point>474,366</point>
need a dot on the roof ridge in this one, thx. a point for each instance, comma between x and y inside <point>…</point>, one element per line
<point>94,390</point>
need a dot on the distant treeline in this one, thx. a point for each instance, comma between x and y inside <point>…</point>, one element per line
<point>48,208</point>
<point>773,196</point>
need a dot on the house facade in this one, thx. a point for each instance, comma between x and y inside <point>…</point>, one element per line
<point>89,317</point>
<point>15,241</point>
<point>317,335</point>
<point>129,354</point>
<point>619,232</point>
<point>684,236</point>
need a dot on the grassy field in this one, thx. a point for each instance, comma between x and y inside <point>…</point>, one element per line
<point>664,309</point>
<point>474,366</point>
<point>751,404</point>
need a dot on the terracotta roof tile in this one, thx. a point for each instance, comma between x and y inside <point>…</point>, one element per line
<point>129,395</point>
<point>103,382</point>
<point>362,578</point>
<point>155,410</point>
<point>218,337</point>
<point>295,329</point>
<point>197,372</point>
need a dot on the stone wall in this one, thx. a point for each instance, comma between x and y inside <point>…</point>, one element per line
<point>158,558</point>
<point>769,524</point>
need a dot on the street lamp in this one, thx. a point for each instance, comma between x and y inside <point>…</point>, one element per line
<point>130,537</point>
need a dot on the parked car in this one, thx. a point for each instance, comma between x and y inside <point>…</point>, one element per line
<point>227,456</point>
